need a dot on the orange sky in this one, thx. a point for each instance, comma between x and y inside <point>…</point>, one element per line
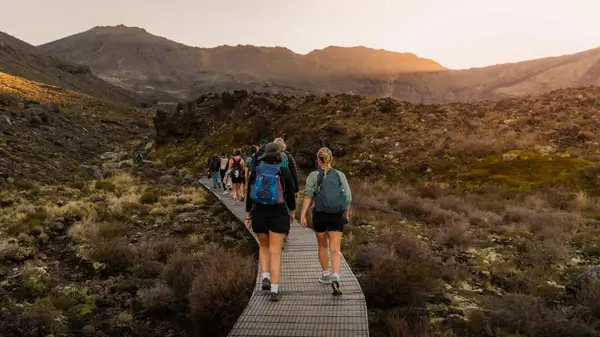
<point>456,33</point>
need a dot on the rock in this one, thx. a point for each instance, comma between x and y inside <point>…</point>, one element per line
<point>109,156</point>
<point>188,178</point>
<point>592,275</point>
<point>149,163</point>
<point>166,180</point>
<point>149,146</point>
<point>93,171</point>
<point>10,180</point>
<point>110,166</point>
<point>125,164</point>
<point>152,173</point>
<point>88,330</point>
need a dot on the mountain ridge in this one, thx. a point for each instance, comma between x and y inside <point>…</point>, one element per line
<point>154,65</point>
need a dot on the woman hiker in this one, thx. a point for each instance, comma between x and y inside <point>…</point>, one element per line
<point>331,193</point>
<point>270,206</point>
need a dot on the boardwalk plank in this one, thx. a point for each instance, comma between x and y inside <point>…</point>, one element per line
<point>307,307</point>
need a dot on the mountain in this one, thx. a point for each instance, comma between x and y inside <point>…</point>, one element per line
<point>138,60</point>
<point>24,60</point>
<point>148,64</point>
<point>501,81</point>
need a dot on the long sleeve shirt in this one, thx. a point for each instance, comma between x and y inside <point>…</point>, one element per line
<point>294,170</point>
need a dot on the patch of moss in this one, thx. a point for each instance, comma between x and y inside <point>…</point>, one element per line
<point>526,170</point>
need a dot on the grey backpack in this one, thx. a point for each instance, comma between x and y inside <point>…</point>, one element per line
<point>330,197</point>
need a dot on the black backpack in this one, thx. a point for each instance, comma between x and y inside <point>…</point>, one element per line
<point>215,164</point>
<point>236,169</point>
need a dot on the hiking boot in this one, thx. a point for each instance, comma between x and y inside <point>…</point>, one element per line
<point>335,285</point>
<point>325,279</point>
<point>275,296</point>
<point>266,284</point>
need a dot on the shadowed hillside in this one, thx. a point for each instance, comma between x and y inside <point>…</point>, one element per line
<point>18,58</point>
<point>469,219</point>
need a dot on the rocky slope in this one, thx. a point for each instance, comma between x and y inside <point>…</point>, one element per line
<point>469,219</point>
<point>51,135</point>
<point>135,59</point>
<point>20,59</point>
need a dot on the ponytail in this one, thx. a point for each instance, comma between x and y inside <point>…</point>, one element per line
<point>325,156</point>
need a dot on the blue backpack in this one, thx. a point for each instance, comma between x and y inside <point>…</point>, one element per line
<point>330,197</point>
<point>285,162</point>
<point>267,188</point>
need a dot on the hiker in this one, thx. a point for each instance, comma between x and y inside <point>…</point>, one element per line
<point>289,162</point>
<point>258,154</point>
<point>228,182</point>
<point>223,168</point>
<point>213,168</point>
<point>238,175</point>
<point>331,193</point>
<point>270,206</point>
<point>248,164</point>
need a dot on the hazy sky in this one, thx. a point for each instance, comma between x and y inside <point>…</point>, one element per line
<point>456,33</point>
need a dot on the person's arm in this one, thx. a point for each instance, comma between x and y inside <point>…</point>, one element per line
<point>309,193</point>
<point>346,188</point>
<point>230,164</point>
<point>294,171</point>
<point>249,201</point>
<point>288,184</point>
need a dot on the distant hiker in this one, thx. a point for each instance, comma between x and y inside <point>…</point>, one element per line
<point>228,182</point>
<point>270,206</point>
<point>259,153</point>
<point>331,193</point>
<point>213,167</point>
<point>223,168</point>
<point>238,175</point>
<point>289,162</point>
<point>248,164</point>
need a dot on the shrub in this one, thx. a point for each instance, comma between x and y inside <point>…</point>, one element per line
<point>525,315</point>
<point>159,297</point>
<point>180,271</point>
<point>218,295</point>
<point>36,279</point>
<point>455,233</point>
<point>150,197</point>
<point>117,254</point>
<point>405,276</point>
<point>104,185</point>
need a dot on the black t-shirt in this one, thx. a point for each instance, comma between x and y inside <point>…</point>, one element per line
<point>287,183</point>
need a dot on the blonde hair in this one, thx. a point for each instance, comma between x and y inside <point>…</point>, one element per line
<point>325,156</point>
<point>281,143</point>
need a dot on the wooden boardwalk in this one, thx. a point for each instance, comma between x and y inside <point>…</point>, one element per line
<point>307,307</point>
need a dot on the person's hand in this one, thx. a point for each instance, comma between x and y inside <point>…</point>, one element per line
<point>248,220</point>
<point>303,221</point>
<point>348,215</point>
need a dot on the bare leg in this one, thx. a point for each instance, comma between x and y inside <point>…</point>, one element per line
<point>263,252</point>
<point>335,241</point>
<point>275,244</point>
<point>323,256</point>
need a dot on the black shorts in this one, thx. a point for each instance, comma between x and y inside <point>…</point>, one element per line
<point>276,224</point>
<point>240,180</point>
<point>323,222</point>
